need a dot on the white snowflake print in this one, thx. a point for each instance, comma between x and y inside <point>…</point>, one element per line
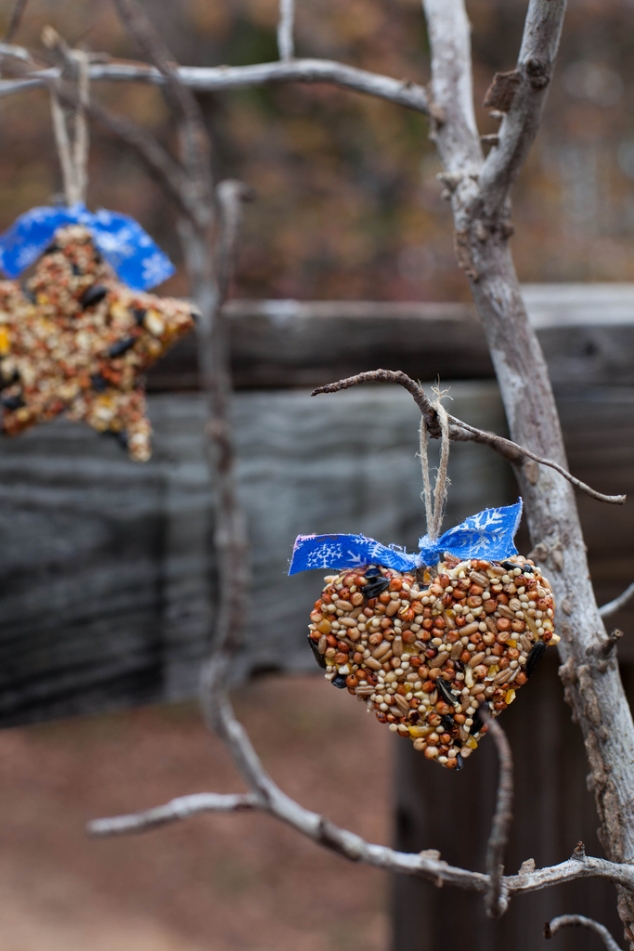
<point>156,268</point>
<point>116,245</point>
<point>324,556</point>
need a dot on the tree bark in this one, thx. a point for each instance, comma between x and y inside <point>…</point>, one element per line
<point>593,683</point>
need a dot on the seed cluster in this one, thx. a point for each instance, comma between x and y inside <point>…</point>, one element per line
<point>424,651</point>
<point>74,339</point>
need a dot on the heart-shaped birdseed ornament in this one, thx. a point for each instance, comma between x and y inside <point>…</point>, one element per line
<point>425,649</point>
<point>75,339</point>
<point>427,639</point>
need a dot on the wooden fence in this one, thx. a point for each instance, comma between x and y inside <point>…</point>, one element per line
<point>106,572</point>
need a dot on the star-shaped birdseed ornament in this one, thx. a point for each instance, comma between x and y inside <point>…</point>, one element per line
<point>75,340</point>
<point>428,649</point>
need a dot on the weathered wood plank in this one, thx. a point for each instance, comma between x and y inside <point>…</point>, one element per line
<point>105,568</point>
<point>587,332</point>
<point>104,564</point>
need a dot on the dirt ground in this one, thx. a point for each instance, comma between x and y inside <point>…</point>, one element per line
<point>217,883</point>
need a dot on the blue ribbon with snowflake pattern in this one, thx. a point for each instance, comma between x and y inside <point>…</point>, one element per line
<point>137,260</point>
<point>488,535</point>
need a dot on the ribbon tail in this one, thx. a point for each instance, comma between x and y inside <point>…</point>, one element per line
<point>488,535</point>
<point>346,551</point>
<point>28,236</point>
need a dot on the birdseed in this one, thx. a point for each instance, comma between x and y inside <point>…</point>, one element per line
<point>75,340</point>
<point>432,646</point>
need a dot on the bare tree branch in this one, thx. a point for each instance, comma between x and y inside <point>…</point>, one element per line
<point>267,797</point>
<point>505,447</point>
<point>607,610</point>
<point>173,811</point>
<point>16,19</point>
<point>496,901</point>
<point>390,376</point>
<point>230,194</point>
<point>482,231</point>
<point>552,927</point>
<point>452,91</point>
<point>158,162</point>
<point>214,79</point>
<point>195,143</point>
<point>535,65</point>
<point>515,453</point>
<point>285,41</point>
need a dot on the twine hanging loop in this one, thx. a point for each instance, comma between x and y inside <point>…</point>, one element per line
<point>435,502</point>
<point>70,125</point>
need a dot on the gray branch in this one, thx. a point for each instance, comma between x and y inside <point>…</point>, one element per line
<point>175,811</point>
<point>535,65</point>
<point>217,78</point>
<point>267,797</point>
<point>285,28</point>
<point>552,927</point>
<point>607,610</point>
<point>496,900</point>
<point>452,89</point>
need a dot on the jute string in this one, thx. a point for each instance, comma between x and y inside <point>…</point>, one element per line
<point>435,502</point>
<point>72,147</point>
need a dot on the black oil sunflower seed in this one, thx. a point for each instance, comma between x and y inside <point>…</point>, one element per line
<point>321,660</point>
<point>339,681</point>
<point>121,346</point>
<point>12,402</point>
<point>478,722</point>
<point>375,587</point>
<point>93,295</point>
<point>98,382</point>
<point>534,658</point>
<point>447,692</point>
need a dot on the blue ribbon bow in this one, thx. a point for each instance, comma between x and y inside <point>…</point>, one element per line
<point>488,535</point>
<point>138,261</point>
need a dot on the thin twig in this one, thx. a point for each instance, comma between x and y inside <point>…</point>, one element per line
<point>390,376</point>
<point>552,927</point>
<point>230,194</point>
<point>511,451</point>
<point>505,447</point>
<point>285,28</point>
<point>613,606</point>
<point>158,162</point>
<point>174,811</point>
<point>16,19</point>
<point>216,78</point>
<point>195,143</point>
<point>496,901</point>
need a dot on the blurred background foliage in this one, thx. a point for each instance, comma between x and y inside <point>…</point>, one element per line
<point>349,203</point>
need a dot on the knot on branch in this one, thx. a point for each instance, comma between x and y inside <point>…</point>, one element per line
<point>537,73</point>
